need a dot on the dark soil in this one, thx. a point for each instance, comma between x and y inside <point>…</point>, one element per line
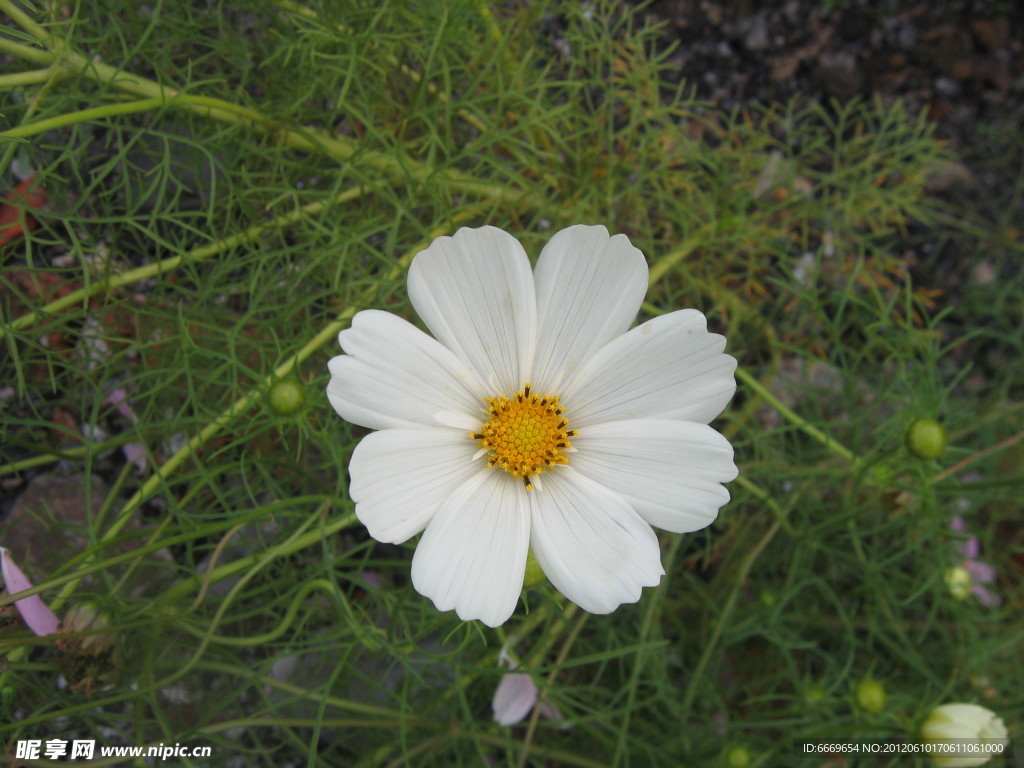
<point>960,61</point>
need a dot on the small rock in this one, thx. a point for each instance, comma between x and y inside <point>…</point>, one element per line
<point>754,31</point>
<point>48,524</point>
<point>991,33</point>
<point>947,86</point>
<point>837,74</point>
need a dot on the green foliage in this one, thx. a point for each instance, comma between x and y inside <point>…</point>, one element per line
<point>228,183</point>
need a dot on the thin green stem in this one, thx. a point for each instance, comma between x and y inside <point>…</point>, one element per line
<point>335,702</point>
<point>531,728</point>
<point>809,429</point>
<point>393,62</point>
<point>86,564</point>
<point>70,454</point>
<point>1000,446</point>
<point>670,259</point>
<point>240,406</point>
<point>26,22</point>
<point>766,498</point>
<point>82,295</point>
<point>82,116</point>
<point>305,139</point>
<point>25,52</point>
<point>723,618</point>
<point>294,604</point>
<point>236,409</point>
<point>20,79</point>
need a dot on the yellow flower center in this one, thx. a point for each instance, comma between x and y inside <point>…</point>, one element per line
<point>526,434</point>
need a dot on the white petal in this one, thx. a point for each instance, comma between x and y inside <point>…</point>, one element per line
<point>592,546</point>
<point>475,293</point>
<point>669,471</point>
<point>669,367</point>
<point>401,476</point>
<point>514,698</point>
<point>395,375</point>
<point>589,289</point>
<point>472,557</point>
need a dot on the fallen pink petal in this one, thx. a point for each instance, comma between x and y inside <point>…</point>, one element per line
<point>980,571</point>
<point>119,399</point>
<point>514,698</point>
<point>136,454</point>
<point>986,597</point>
<point>39,618</point>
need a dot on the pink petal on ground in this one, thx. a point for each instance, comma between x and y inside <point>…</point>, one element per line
<point>958,524</point>
<point>985,597</point>
<point>33,610</point>
<point>136,454</point>
<point>980,572</point>
<point>969,548</point>
<point>515,697</point>
<point>119,399</point>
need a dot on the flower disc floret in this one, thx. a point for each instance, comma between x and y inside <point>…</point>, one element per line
<point>525,434</point>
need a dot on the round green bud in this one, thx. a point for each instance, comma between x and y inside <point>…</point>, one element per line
<point>926,439</point>
<point>813,693</point>
<point>534,573</point>
<point>871,696</point>
<point>737,757</point>
<point>286,396</point>
<point>881,474</point>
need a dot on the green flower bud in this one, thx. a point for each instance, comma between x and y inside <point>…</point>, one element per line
<point>286,396</point>
<point>881,474</point>
<point>965,721</point>
<point>871,696</point>
<point>737,757</point>
<point>926,439</point>
<point>534,573</point>
<point>813,693</point>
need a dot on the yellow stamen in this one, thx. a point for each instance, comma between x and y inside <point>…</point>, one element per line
<point>526,434</point>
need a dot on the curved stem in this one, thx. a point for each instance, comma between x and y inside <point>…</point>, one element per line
<point>722,620</point>
<point>240,406</point>
<point>82,116</point>
<point>230,569</point>
<point>304,139</point>
<point>812,431</point>
<point>294,604</point>
<point>20,79</point>
<point>167,265</point>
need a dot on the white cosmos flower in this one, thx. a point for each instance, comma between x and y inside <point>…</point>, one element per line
<point>533,418</point>
<point>980,730</point>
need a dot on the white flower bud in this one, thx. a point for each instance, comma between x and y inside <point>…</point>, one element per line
<point>964,721</point>
<point>958,579</point>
